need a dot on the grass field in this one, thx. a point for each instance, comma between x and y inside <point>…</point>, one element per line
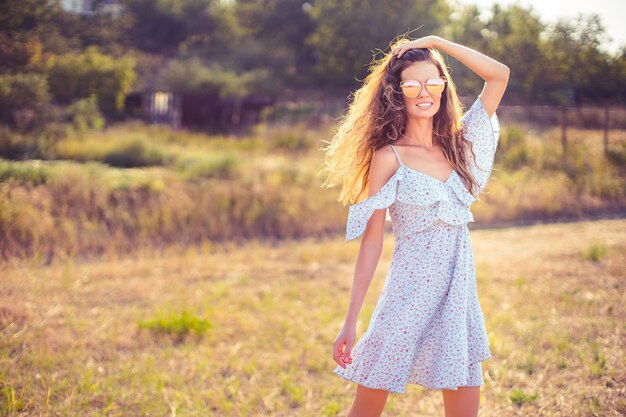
<point>248,331</point>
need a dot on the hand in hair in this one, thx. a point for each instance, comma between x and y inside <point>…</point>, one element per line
<point>424,42</point>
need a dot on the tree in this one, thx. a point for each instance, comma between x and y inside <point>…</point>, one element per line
<point>161,26</point>
<point>18,16</point>
<point>574,68</point>
<point>467,28</point>
<point>348,32</point>
<point>275,35</point>
<point>515,38</point>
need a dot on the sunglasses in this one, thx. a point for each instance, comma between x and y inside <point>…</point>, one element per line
<point>412,88</point>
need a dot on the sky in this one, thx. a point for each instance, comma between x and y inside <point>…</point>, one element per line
<point>612,13</point>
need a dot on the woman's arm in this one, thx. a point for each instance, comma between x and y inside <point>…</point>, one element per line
<point>495,74</point>
<point>366,263</point>
<point>381,169</point>
<point>370,250</point>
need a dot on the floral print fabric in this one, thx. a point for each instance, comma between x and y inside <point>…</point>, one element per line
<point>427,327</point>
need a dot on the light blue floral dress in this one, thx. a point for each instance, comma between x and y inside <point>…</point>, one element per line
<point>427,327</point>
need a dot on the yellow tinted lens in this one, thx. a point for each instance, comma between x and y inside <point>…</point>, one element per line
<point>411,91</point>
<point>435,87</point>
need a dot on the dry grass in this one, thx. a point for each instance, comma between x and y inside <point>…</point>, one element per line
<point>168,187</point>
<point>72,344</point>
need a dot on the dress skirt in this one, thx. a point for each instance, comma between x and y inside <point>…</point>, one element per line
<point>427,327</point>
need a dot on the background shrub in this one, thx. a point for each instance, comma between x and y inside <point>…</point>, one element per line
<point>84,114</point>
<point>79,75</point>
<point>137,153</point>
<point>513,151</point>
<point>23,98</point>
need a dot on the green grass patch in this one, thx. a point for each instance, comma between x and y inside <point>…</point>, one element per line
<point>137,153</point>
<point>224,165</point>
<point>10,400</point>
<point>594,252</point>
<point>598,366</point>
<point>32,172</point>
<point>529,364</point>
<point>519,396</point>
<point>177,325</point>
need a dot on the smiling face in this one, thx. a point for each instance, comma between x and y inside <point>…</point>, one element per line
<point>421,71</point>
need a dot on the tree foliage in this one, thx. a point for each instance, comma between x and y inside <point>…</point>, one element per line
<point>23,97</point>
<point>79,75</point>
<point>276,47</point>
<point>349,32</point>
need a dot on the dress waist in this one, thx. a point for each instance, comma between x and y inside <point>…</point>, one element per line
<point>408,219</point>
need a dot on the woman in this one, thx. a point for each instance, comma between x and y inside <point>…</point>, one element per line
<point>406,144</point>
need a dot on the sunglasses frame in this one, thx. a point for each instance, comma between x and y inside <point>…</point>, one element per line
<point>422,85</point>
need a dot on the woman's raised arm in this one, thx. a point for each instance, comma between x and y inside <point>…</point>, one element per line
<point>495,74</point>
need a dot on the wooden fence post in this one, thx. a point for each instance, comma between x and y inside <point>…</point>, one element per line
<point>564,129</point>
<point>606,128</point>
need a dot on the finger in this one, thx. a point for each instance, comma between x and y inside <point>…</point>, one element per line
<point>340,361</point>
<point>346,354</point>
<point>338,349</point>
<point>338,355</point>
<point>347,349</point>
<point>341,358</point>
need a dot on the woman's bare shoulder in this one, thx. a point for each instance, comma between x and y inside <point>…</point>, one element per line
<point>382,167</point>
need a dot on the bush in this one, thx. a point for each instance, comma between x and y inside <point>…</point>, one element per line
<point>32,172</point>
<point>294,138</point>
<point>510,137</point>
<point>512,148</point>
<point>194,75</point>
<point>40,145</point>
<point>19,53</point>
<point>12,145</point>
<point>23,100</point>
<point>221,166</point>
<point>84,114</point>
<point>137,153</point>
<point>75,76</point>
<point>617,154</point>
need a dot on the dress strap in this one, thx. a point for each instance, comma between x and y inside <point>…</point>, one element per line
<point>395,152</point>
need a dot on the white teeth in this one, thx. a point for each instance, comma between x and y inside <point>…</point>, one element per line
<point>425,104</point>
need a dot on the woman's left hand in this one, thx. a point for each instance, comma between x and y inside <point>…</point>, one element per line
<point>424,42</point>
